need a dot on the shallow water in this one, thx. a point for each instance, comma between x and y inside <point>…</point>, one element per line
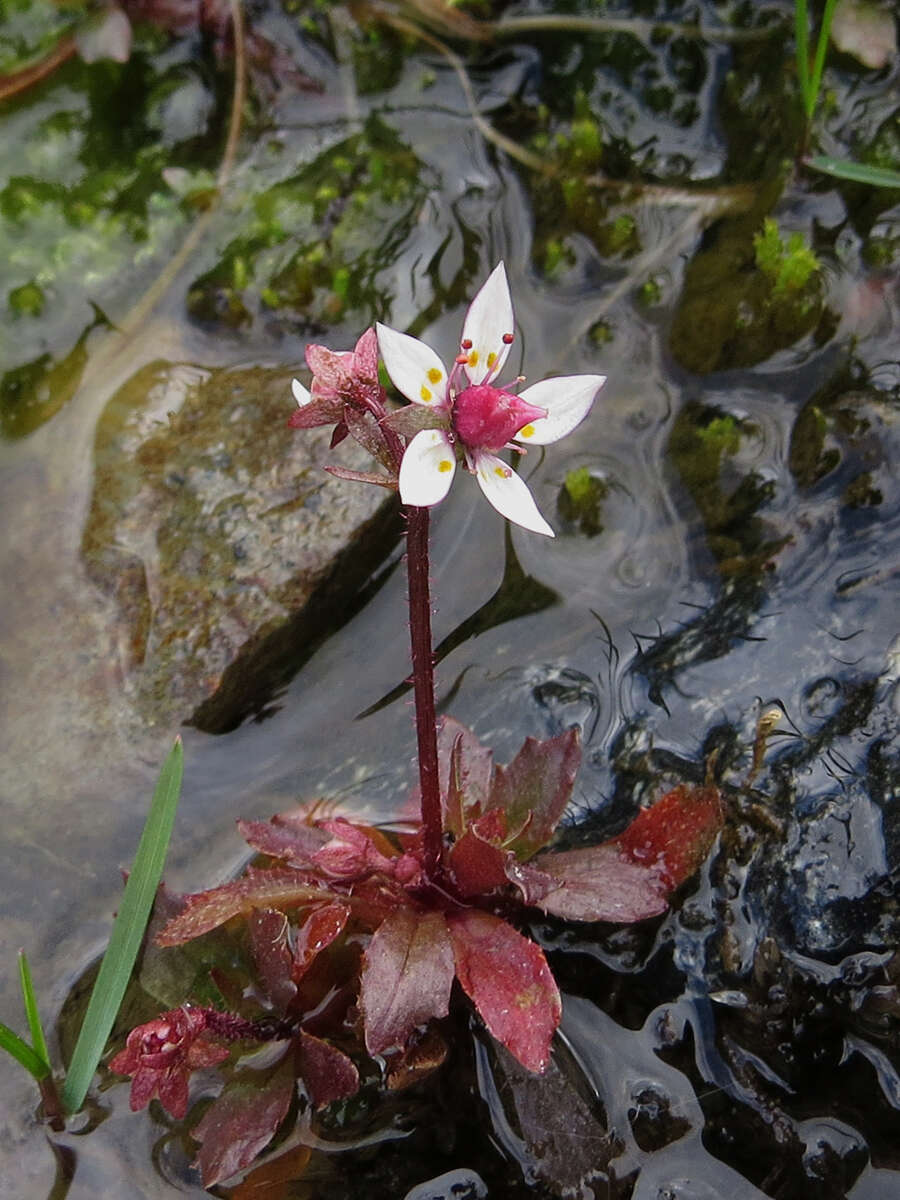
<point>747,557</point>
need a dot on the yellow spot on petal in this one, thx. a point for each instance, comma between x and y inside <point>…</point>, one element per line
<point>502,472</point>
<point>444,465</point>
<point>473,357</point>
<point>426,395</point>
<point>526,431</point>
<point>491,359</point>
<point>434,375</point>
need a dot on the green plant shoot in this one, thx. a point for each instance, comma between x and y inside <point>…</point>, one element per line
<point>127,932</point>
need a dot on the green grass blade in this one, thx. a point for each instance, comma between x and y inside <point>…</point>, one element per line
<point>127,932</point>
<point>38,1041</point>
<point>23,1053</point>
<point>801,43</point>
<point>821,48</point>
<point>842,168</point>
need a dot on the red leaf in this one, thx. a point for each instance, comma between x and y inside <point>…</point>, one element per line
<point>339,433</point>
<point>272,955</point>
<point>328,1073</point>
<point>407,974</point>
<point>243,1120</point>
<point>331,368</point>
<point>323,410</point>
<point>535,789</point>
<point>351,852</point>
<point>464,771</point>
<point>676,834</point>
<point>414,418</point>
<point>508,980</point>
<point>293,841</point>
<point>630,877</point>
<point>319,930</point>
<point>384,481</point>
<point>477,860</point>
<point>366,430</point>
<point>599,883</point>
<point>161,1055</point>
<point>365,356</point>
<point>376,898</point>
<point>282,886</point>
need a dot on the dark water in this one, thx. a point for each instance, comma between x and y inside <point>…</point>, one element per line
<point>742,554</point>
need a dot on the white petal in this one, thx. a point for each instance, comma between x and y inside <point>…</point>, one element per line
<point>567,401</point>
<point>490,316</point>
<point>427,468</point>
<point>508,493</point>
<point>301,395</point>
<point>414,368</point>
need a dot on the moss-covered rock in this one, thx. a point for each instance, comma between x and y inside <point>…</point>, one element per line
<point>746,294</point>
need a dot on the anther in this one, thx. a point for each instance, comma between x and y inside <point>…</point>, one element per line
<point>466,344</point>
<point>507,339</point>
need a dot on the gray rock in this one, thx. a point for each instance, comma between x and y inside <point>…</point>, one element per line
<point>228,551</point>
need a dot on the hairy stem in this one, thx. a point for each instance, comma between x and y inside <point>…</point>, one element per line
<point>417,563</point>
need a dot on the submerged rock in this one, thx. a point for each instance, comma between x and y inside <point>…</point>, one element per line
<point>227,550</point>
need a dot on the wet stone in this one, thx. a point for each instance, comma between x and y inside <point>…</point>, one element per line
<point>652,1121</point>
<point>225,550</point>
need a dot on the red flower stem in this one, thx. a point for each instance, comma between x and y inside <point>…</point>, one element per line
<point>417,565</point>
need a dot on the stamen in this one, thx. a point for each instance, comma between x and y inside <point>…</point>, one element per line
<point>466,344</point>
<point>508,339</point>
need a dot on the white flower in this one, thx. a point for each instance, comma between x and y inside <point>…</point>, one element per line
<point>471,412</point>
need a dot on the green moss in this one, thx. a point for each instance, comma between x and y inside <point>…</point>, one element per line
<point>650,293</point>
<point>721,435</point>
<point>810,458</point>
<point>768,248</point>
<point>601,334</point>
<point>87,214</point>
<point>27,300</point>
<point>318,239</point>
<point>580,501</point>
<point>790,266</point>
<point>557,256</point>
<point>702,447</point>
<point>881,252</point>
<point>379,55</point>
<point>745,295</point>
<point>619,237</point>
